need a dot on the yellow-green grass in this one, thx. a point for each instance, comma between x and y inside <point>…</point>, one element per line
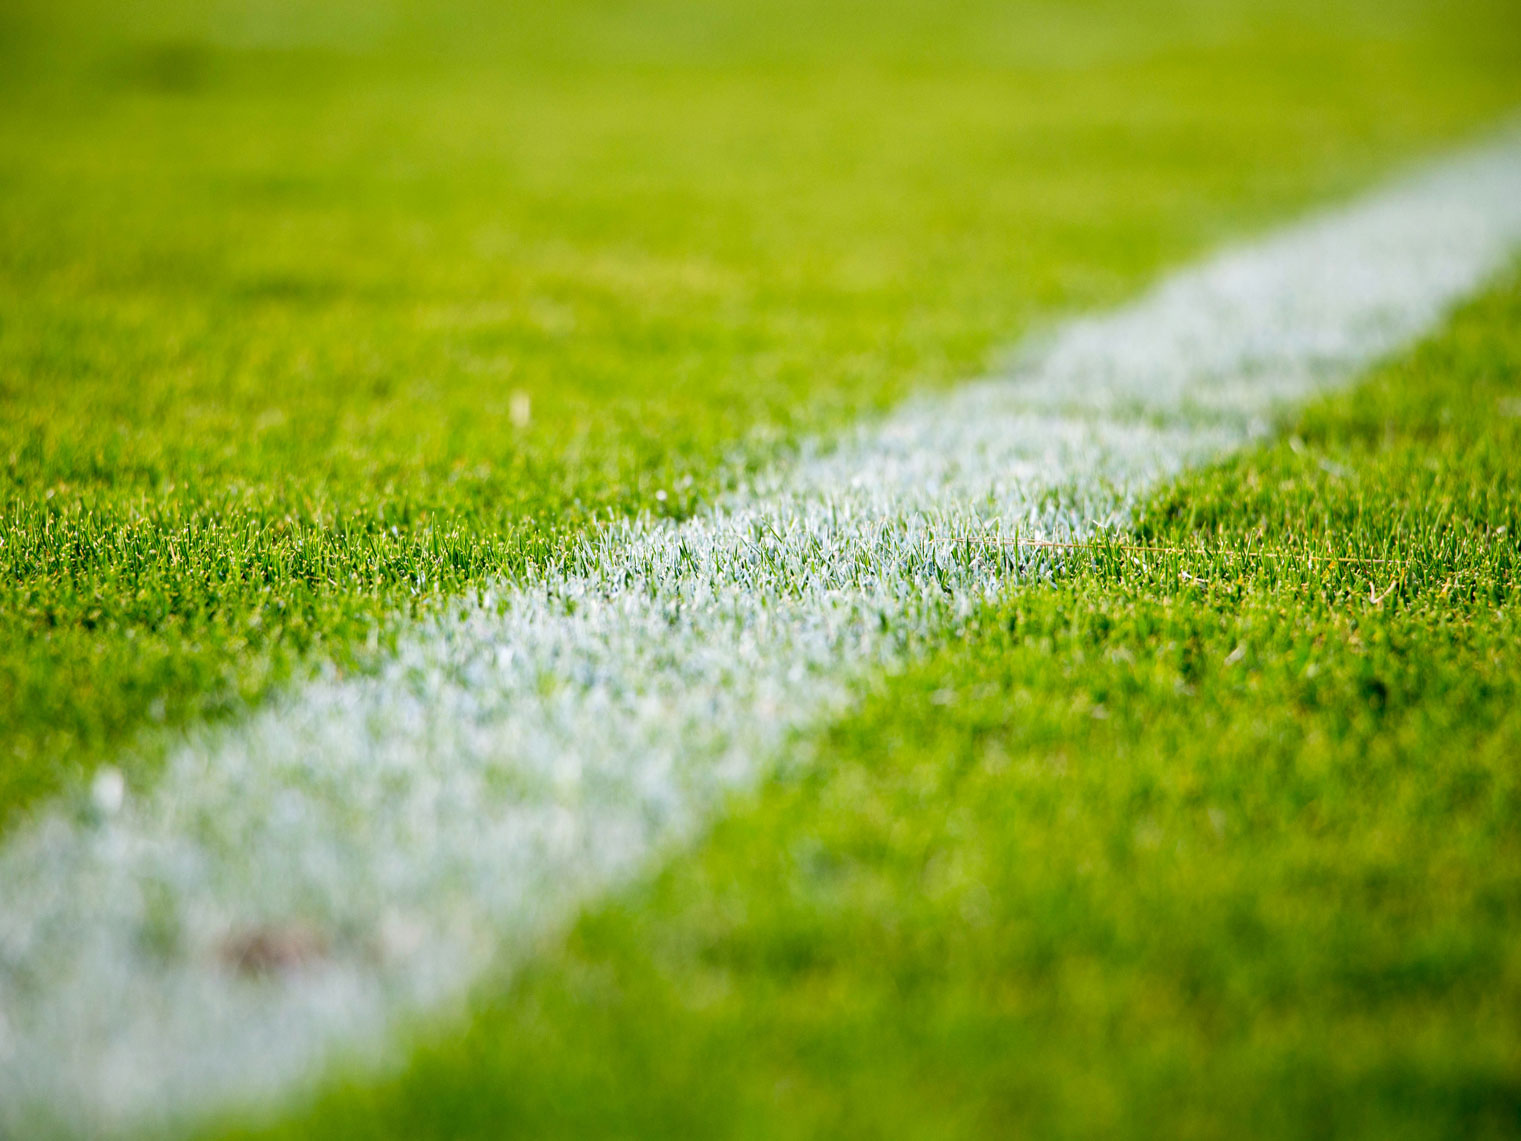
<point>273,284</point>
<point>1178,845</point>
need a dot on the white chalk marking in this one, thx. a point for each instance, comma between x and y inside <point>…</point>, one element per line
<point>362,849</point>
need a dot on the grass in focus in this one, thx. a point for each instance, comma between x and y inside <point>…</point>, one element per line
<point>311,316</point>
<point>1173,846</point>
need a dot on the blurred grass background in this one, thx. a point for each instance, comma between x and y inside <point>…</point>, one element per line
<point>279,281</point>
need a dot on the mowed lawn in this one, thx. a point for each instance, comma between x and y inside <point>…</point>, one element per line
<point>1214,845</point>
<point>311,317</point>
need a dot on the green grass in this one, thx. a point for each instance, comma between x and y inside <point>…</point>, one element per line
<point>271,277</point>
<point>1181,845</point>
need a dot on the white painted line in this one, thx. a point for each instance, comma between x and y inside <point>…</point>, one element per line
<point>362,849</point>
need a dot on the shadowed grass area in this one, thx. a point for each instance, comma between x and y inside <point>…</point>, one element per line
<point>314,315</point>
<point>1178,845</point>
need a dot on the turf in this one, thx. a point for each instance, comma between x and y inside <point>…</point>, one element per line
<point>1216,844</point>
<point>312,317</point>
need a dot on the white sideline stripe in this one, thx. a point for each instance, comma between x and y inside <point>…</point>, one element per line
<point>522,756</point>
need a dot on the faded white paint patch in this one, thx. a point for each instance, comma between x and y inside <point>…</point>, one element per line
<point>362,849</point>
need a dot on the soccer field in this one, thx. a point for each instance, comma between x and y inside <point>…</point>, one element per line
<point>519,616</point>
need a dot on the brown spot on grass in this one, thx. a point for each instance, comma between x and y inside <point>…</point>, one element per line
<point>272,949</point>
